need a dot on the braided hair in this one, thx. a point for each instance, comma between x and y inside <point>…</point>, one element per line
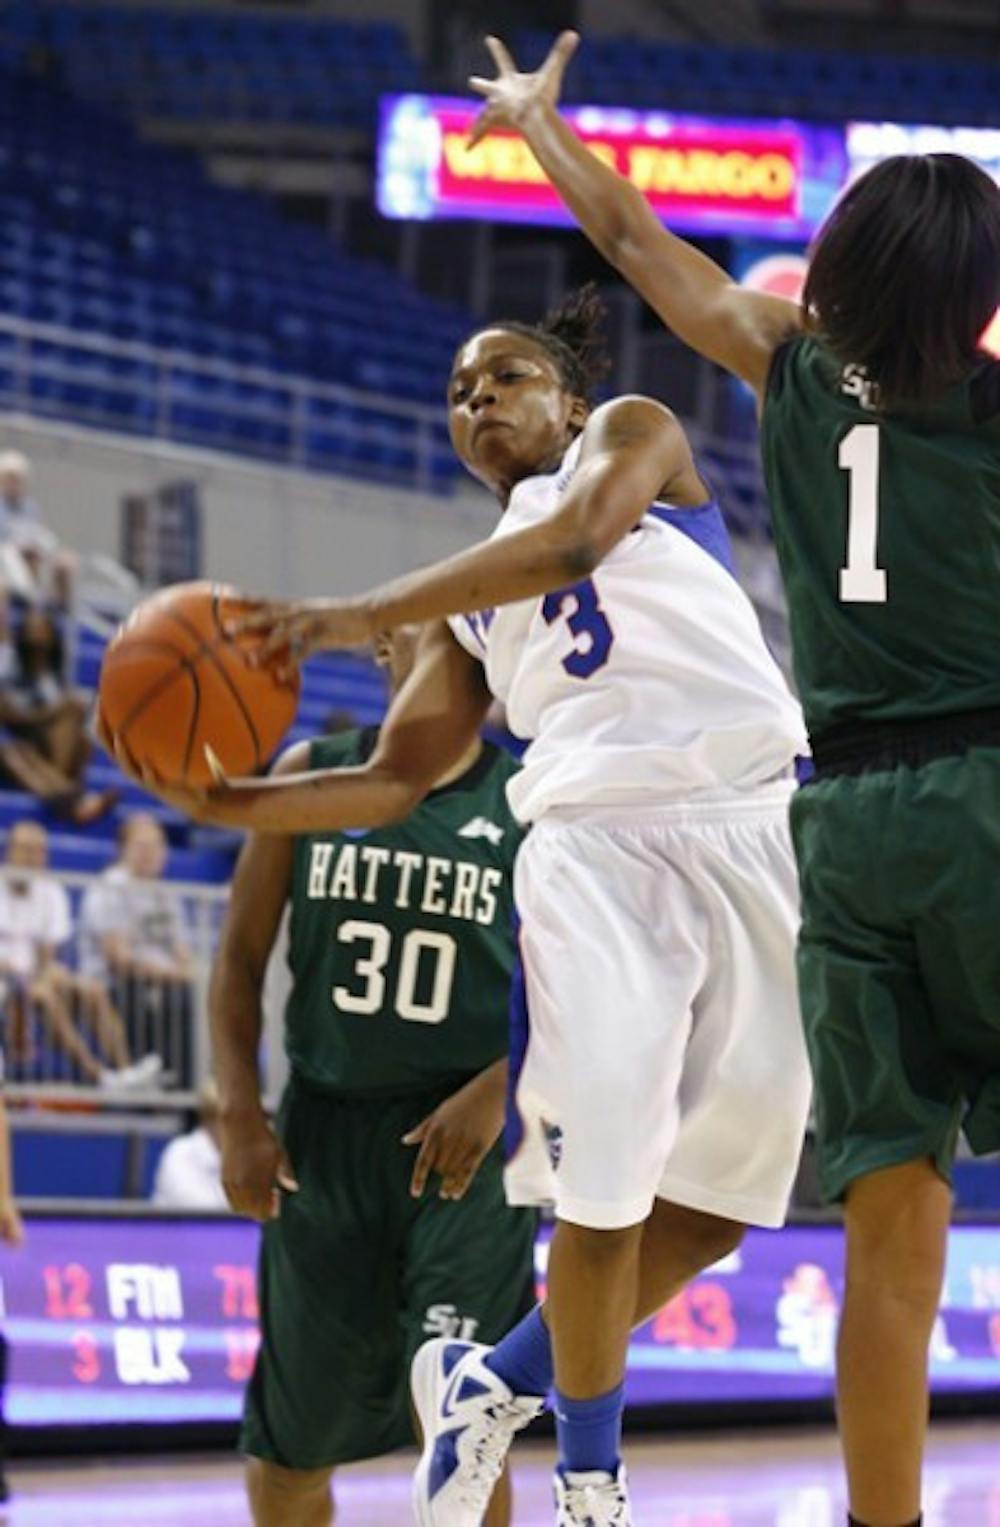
<point>572,335</point>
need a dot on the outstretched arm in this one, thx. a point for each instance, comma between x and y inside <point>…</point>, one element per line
<point>632,450</point>
<point>430,725</point>
<point>696,298</point>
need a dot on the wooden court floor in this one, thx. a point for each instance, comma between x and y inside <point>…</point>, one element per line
<point>737,1479</point>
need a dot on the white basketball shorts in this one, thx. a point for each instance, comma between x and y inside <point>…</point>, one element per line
<point>663,1055</point>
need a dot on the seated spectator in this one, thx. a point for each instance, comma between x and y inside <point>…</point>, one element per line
<point>33,565</point>
<point>134,939</point>
<point>189,1174</point>
<point>44,747</point>
<point>35,923</point>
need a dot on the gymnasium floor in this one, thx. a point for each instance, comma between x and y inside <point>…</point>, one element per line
<point>754,1479</point>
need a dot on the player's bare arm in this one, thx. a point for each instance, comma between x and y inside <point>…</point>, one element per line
<point>430,725</point>
<point>696,298</point>
<point>254,1165</point>
<point>633,451</point>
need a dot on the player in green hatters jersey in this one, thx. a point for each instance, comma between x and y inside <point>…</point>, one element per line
<point>881,437</point>
<point>380,1188</point>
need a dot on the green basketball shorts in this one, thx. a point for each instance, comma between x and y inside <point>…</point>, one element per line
<point>356,1274</point>
<point>899,962</point>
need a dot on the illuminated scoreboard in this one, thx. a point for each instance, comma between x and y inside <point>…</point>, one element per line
<point>130,1321</point>
<point>702,174</point>
<point>146,1320</point>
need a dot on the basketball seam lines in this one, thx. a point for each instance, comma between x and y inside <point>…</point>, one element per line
<point>195,714</point>
<point>153,694</point>
<point>206,649</point>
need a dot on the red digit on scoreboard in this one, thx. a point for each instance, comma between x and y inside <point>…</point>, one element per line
<point>241,1353</point>
<point>86,1357</point>
<point>67,1292</point>
<point>714,1311</point>
<point>239,1291</point>
<point>699,1319</point>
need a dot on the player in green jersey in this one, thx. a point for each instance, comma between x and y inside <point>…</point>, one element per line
<point>881,434</point>
<point>380,1190</point>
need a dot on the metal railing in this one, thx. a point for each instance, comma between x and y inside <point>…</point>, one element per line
<point>163,1018</point>
<point>44,371</point>
<point>54,371</point>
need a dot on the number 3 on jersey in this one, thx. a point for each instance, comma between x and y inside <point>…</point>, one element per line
<point>588,623</point>
<point>862,581</point>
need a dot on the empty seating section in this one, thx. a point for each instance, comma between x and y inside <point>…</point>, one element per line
<point>340,682</point>
<point>623,71</point>
<point>109,235</point>
<point>191,64</point>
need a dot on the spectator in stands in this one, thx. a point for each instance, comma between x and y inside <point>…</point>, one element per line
<point>44,746</point>
<point>134,937</point>
<point>189,1175</point>
<point>35,922</point>
<point>33,565</point>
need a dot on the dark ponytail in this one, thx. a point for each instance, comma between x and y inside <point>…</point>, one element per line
<point>572,334</point>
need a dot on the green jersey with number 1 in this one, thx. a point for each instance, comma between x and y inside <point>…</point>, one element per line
<point>401,942</point>
<point>887,527</point>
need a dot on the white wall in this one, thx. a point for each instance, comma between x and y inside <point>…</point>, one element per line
<point>264,528</point>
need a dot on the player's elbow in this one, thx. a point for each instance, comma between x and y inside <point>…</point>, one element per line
<point>403,803</point>
<point>580,555</point>
<point>400,791</point>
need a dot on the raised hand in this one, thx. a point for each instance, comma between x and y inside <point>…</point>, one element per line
<point>285,634</point>
<point>512,96</point>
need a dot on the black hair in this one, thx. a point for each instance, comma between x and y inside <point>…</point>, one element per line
<point>572,334</point>
<point>52,645</point>
<point>905,274</point>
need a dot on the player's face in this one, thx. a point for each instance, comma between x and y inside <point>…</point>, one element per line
<point>509,412</point>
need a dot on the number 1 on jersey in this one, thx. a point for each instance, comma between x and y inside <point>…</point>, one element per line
<point>862,581</point>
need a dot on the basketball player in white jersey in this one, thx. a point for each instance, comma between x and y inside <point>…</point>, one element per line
<point>661,1098</point>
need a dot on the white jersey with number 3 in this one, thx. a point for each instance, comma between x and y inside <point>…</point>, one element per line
<point>648,682</point>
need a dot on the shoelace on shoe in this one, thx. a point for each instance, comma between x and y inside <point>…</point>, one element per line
<point>489,1445</point>
<point>598,1506</point>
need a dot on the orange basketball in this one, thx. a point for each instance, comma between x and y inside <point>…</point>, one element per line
<point>173,683</point>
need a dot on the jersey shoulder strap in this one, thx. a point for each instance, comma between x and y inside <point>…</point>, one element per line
<point>342,750</point>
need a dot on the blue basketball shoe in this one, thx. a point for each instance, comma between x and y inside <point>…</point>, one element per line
<point>469,1419</point>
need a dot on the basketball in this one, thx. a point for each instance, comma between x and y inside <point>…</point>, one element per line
<point>173,684</point>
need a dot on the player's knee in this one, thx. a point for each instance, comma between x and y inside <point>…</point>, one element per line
<point>897,1223</point>
<point>281,1497</point>
<point>697,1239</point>
<point>600,1246</point>
<point>712,1239</point>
